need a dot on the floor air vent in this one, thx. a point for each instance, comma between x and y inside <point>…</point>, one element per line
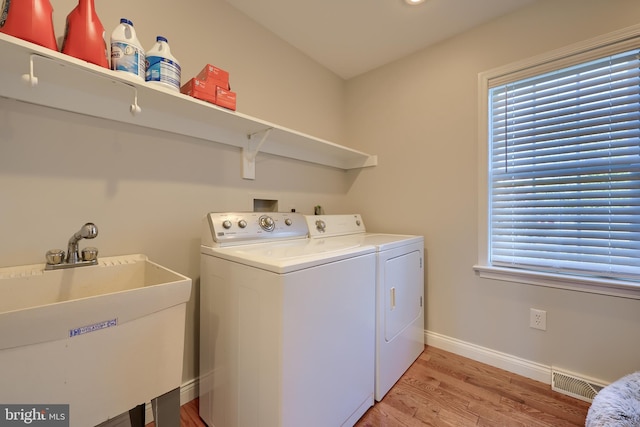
<point>574,386</point>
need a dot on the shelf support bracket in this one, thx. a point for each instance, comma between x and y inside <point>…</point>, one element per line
<point>249,155</point>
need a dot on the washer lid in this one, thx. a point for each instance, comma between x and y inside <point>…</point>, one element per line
<point>292,255</point>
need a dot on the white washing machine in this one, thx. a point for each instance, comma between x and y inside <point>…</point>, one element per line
<point>399,293</point>
<point>287,324</point>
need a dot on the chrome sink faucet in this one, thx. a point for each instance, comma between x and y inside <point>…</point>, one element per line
<point>56,258</point>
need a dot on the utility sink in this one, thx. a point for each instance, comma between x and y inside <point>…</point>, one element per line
<point>102,338</point>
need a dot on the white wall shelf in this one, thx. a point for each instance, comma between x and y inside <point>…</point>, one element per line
<point>41,76</point>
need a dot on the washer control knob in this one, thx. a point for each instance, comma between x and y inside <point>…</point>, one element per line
<point>358,222</point>
<point>226,224</point>
<point>242,223</point>
<point>288,221</point>
<point>321,225</point>
<point>267,223</point>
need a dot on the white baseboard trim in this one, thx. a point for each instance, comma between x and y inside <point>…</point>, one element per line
<point>491,357</point>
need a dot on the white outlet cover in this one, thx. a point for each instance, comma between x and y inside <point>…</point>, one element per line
<point>538,319</point>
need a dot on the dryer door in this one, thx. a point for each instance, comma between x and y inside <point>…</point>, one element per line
<point>403,289</point>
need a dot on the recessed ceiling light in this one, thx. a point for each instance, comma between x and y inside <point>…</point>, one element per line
<point>413,2</point>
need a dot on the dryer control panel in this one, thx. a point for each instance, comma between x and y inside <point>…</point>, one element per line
<point>321,226</point>
<point>228,228</point>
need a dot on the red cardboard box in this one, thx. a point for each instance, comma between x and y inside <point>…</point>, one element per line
<point>200,85</point>
<point>225,98</point>
<point>214,75</point>
<point>200,89</point>
<point>210,92</point>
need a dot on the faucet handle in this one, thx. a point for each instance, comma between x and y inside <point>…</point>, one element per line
<point>89,254</point>
<point>55,256</point>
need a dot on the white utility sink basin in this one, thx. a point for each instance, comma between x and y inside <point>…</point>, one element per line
<point>101,338</point>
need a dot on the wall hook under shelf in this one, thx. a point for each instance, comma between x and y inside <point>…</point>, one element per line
<point>135,108</point>
<point>249,155</point>
<point>30,78</point>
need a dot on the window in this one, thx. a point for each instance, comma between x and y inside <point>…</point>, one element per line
<point>562,143</point>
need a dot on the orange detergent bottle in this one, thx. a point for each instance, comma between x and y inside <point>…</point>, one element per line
<point>30,20</point>
<point>84,35</point>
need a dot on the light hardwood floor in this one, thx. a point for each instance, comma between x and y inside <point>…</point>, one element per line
<point>443,389</point>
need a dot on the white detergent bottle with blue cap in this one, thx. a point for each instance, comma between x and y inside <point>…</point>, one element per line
<point>127,53</point>
<point>162,67</point>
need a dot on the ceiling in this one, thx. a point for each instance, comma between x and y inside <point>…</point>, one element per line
<point>351,37</point>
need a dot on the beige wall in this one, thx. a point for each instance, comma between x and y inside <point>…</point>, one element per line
<point>419,115</point>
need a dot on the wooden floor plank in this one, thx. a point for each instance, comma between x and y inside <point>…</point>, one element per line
<point>442,389</point>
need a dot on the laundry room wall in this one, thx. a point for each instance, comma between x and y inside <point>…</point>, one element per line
<point>147,190</point>
<point>419,115</point>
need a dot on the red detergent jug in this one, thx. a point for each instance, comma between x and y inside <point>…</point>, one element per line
<point>84,35</point>
<point>30,20</point>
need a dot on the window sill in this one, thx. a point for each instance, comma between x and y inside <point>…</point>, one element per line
<point>609,287</point>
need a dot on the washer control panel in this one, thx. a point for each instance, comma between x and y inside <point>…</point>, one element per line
<point>247,227</point>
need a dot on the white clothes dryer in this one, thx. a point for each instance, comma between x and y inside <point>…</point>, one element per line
<point>399,292</point>
<point>287,324</point>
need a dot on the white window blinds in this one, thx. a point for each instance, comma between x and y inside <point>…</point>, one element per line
<point>565,169</point>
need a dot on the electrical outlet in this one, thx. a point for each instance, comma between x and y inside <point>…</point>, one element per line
<point>538,319</point>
